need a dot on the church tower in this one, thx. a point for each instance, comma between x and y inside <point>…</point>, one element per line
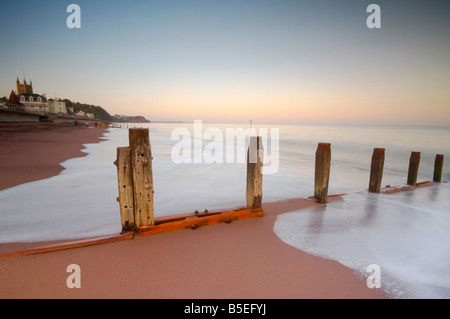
<point>24,88</point>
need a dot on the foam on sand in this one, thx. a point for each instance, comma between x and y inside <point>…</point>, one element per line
<point>406,234</point>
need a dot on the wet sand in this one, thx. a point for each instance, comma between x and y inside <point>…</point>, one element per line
<point>243,259</point>
<point>33,151</point>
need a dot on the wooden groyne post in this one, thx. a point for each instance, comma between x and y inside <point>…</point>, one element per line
<point>125,183</point>
<point>376,170</point>
<point>254,172</point>
<point>322,172</point>
<point>135,181</point>
<point>413,170</point>
<point>438,165</point>
<point>141,162</point>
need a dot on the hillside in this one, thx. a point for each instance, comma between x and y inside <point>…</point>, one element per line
<point>130,119</point>
<point>101,114</point>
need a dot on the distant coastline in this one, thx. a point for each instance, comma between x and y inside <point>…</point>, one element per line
<point>170,122</point>
<point>67,110</point>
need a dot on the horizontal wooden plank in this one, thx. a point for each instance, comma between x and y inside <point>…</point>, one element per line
<point>397,189</point>
<point>70,245</point>
<point>177,217</point>
<point>166,224</point>
<point>200,221</point>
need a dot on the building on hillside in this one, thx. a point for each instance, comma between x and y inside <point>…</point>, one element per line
<point>80,113</point>
<point>56,106</point>
<point>34,103</point>
<point>13,103</point>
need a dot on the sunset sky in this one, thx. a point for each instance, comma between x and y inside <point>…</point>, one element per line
<point>270,61</point>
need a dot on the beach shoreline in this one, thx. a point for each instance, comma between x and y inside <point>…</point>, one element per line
<point>34,151</point>
<point>241,260</point>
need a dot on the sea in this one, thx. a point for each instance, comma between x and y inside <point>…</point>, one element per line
<point>406,235</point>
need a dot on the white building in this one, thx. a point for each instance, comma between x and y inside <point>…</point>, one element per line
<point>57,106</point>
<point>80,113</point>
<point>34,103</point>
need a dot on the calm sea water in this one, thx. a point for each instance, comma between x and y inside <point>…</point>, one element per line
<point>406,234</point>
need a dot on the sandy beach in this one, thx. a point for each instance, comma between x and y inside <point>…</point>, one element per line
<point>33,151</point>
<point>243,259</point>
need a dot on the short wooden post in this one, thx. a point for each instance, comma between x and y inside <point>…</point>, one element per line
<point>322,172</point>
<point>141,162</point>
<point>413,168</point>
<point>438,165</point>
<point>125,182</point>
<point>376,170</point>
<point>254,172</point>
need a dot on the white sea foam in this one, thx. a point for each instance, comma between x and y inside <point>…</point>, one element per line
<point>406,234</point>
<point>77,203</point>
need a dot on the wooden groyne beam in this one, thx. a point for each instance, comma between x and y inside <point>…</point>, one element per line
<point>404,188</point>
<point>138,168</point>
<point>413,169</point>
<point>125,186</point>
<point>376,170</point>
<point>322,172</point>
<point>135,185</point>
<point>69,245</point>
<point>169,224</point>
<point>438,166</point>
<point>141,164</point>
<point>254,173</point>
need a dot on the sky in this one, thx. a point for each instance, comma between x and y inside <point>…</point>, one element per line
<point>269,61</point>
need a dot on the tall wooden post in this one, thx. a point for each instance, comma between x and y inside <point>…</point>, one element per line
<point>376,170</point>
<point>254,172</point>
<point>438,165</point>
<point>322,172</point>
<point>413,168</point>
<point>141,162</point>
<point>125,182</point>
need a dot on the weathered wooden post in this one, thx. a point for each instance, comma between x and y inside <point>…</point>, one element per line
<point>141,162</point>
<point>376,170</point>
<point>125,182</point>
<point>413,170</point>
<point>254,172</point>
<point>438,165</point>
<point>322,172</point>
